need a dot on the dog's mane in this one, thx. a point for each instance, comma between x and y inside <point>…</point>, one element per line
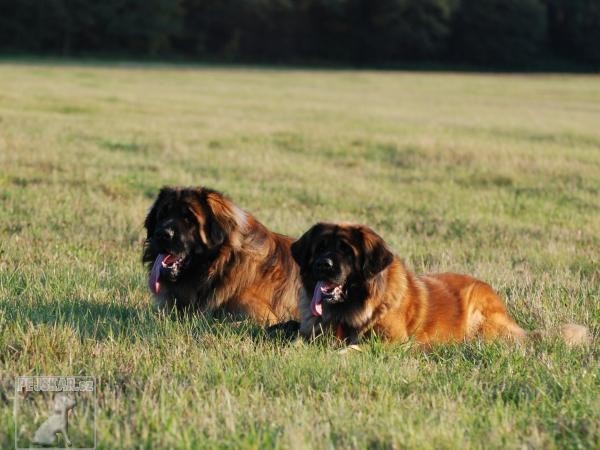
<point>252,254</point>
<point>251,258</point>
<point>244,267</point>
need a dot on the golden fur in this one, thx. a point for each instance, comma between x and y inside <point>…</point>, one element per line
<point>398,305</point>
<point>248,270</point>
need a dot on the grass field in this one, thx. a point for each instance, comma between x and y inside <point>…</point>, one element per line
<point>494,175</point>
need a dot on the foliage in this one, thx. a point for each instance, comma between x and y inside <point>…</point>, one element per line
<point>499,32</point>
<point>574,28</point>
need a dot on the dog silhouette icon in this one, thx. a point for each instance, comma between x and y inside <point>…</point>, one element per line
<point>58,422</point>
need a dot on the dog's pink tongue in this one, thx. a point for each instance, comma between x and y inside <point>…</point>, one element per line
<point>153,282</point>
<point>316,304</point>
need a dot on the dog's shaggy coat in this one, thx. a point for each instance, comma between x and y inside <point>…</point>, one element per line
<point>379,293</point>
<point>225,258</point>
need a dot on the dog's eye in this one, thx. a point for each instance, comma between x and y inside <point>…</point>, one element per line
<point>344,247</point>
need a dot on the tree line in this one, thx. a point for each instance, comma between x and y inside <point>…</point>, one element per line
<point>361,32</point>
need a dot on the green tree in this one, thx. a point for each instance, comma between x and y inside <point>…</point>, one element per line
<point>499,32</point>
<point>574,29</point>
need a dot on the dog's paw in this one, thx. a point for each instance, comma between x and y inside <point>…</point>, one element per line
<point>349,348</point>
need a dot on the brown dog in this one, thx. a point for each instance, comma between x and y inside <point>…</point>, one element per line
<point>354,284</point>
<point>203,252</point>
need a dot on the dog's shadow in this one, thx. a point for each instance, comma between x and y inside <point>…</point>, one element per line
<point>285,331</point>
<point>101,321</point>
<point>90,319</point>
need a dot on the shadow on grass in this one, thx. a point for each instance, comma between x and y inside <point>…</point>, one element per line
<point>91,320</point>
<point>105,321</point>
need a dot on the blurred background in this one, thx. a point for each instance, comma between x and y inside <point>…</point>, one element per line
<point>524,34</point>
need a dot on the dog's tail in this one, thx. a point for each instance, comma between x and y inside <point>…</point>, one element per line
<point>572,334</point>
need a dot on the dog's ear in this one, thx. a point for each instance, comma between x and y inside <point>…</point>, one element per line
<point>152,216</point>
<point>302,248</point>
<point>376,255</point>
<point>225,220</point>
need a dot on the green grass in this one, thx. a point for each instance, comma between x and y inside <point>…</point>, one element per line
<point>493,175</point>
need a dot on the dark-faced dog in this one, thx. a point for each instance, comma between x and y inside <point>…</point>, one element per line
<point>354,284</point>
<point>203,252</point>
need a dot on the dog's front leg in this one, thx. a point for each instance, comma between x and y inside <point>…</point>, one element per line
<point>311,327</point>
<point>350,336</point>
<point>66,436</point>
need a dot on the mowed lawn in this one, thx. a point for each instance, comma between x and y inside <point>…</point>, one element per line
<point>493,175</point>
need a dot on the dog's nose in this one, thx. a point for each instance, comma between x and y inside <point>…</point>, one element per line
<point>324,265</point>
<point>165,234</point>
